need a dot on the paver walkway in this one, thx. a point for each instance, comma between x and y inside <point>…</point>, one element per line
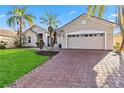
<point>77,68</point>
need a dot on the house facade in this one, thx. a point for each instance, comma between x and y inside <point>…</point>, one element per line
<point>87,33</point>
<point>32,35</point>
<point>117,38</point>
<point>81,33</point>
<point>9,37</point>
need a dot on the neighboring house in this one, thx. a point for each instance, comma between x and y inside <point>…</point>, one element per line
<point>33,35</point>
<point>8,36</point>
<point>87,33</point>
<point>117,38</point>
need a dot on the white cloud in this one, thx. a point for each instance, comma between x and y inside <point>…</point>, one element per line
<point>73,12</point>
<point>113,15</point>
<point>2,15</point>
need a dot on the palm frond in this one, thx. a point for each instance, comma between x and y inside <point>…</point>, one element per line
<point>23,10</point>
<point>89,10</point>
<point>12,20</point>
<point>44,20</point>
<point>29,18</point>
<point>49,19</point>
<point>95,9</point>
<point>101,11</point>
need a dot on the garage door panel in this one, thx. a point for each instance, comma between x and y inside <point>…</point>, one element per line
<point>94,42</point>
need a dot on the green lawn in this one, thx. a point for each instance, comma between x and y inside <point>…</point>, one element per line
<point>15,63</point>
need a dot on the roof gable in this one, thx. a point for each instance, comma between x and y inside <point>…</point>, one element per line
<point>36,29</point>
<point>101,21</point>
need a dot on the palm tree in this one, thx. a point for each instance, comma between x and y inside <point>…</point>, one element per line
<point>96,10</point>
<point>121,23</point>
<point>50,19</point>
<point>18,18</point>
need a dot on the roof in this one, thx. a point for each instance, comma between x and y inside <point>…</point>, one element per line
<point>7,33</point>
<point>91,16</point>
<point>35,26</point>
<point>117,34</point>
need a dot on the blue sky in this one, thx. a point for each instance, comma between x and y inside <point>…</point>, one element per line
<point>65,13</point>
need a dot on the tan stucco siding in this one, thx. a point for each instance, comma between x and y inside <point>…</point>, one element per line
<point>117,38</point>
<point>91,24</point>
<point>33,38</point>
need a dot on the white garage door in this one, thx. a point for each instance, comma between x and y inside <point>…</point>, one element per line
<point>86,41</point>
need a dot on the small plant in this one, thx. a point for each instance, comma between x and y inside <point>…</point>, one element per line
<point>117,47</point>
<point>37,43</point>
<point>3,45</point>
<point>16,44</point>
<point>40,44</point>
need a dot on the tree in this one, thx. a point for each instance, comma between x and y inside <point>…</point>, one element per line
<point>50,19</point>
<point>92,10</point>
<point>96,10</point>
<point>18,18</point>
<point>121,23</point>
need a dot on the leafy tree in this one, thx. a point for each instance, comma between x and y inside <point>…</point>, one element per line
<point>18,18</point>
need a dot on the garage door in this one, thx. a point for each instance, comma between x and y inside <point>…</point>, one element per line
<point>86,41</point>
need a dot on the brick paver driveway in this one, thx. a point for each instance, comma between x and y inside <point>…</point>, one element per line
<point>76,68</point>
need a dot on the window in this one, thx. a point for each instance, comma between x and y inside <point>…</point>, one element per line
<point>41,35</point>
<point>86,35</point>
<point>69,35</point>
<point>90,35</point>
<point>29,39</point>
<point>95,35</point>
<point>77,35</point>
<point>102,34</point>
<point>82,35</point>
<point>83,22</point>
<point>73,35</point>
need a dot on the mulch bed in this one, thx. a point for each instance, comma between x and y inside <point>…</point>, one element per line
<point>47,53</point>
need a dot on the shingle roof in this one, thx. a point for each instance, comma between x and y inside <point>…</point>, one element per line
<point>7,33</point>
<point>34,27</point>
<point>117,34</point>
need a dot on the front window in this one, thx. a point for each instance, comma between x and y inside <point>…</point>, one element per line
<point>29,39</point>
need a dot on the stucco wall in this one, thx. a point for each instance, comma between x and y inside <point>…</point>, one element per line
<point>91,24</point>
<point>33,36</point>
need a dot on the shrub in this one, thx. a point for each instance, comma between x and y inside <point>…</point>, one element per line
<point>117,47</point>
<point>37,43</point>
<point>40,44</point>
<point>16,44</point>
<point>2,45</point>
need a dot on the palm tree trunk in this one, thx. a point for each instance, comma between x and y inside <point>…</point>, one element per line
<point>20,33</point>
<point>121,23</point>
<point>51,41</point>
<point>122,44</point>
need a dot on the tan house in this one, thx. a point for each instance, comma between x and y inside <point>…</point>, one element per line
<point>117,38</point>
<point>81,33</point>
<point>8,36</point>
<point>87,33</point>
